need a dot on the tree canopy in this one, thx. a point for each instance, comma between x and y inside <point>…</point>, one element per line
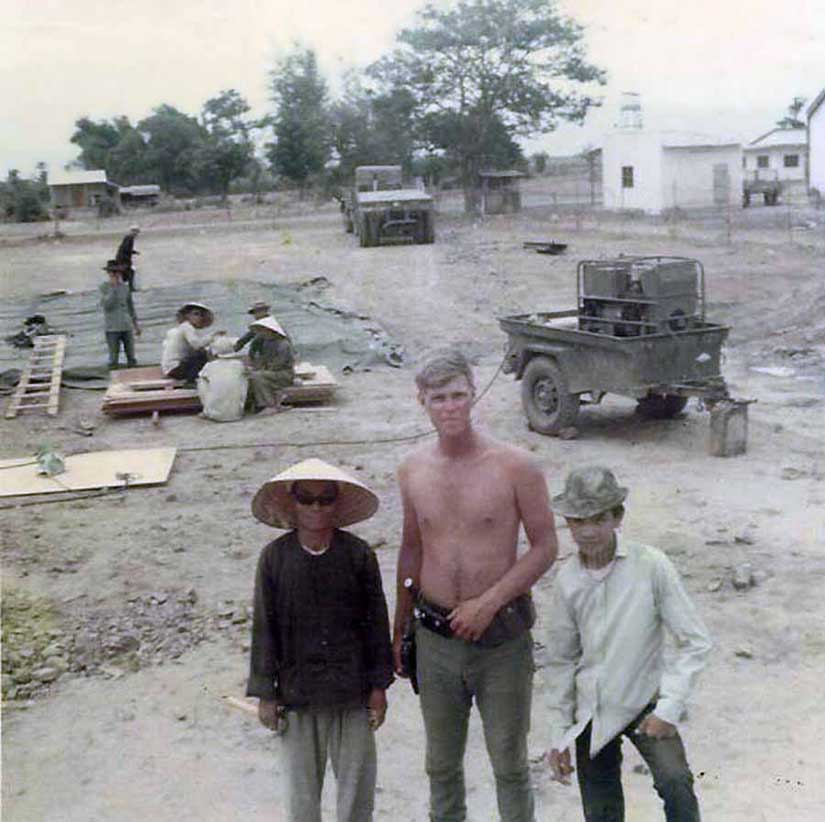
<point>483,72</point>
<point>301,122</point>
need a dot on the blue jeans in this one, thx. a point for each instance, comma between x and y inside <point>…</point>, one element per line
<point>451,673</point>
<point>113,341</point>
<point>600,779</point>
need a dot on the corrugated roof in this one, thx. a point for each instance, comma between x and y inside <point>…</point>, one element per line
<point>74,177</point>
<point>780,137</point>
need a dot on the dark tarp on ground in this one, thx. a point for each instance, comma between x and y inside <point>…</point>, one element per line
<point>321,333</point>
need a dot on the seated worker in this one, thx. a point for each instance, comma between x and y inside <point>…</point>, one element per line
<point>184,348</point>
<point>271,365</point>
<point>258,310</point>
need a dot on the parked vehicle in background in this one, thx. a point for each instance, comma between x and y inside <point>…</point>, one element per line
<point>379,209</point>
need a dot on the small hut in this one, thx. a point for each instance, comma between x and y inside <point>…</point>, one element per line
<point>500,191</point>
<point>81,189</point>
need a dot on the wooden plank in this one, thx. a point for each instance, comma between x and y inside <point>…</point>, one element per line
<point>96,469</point>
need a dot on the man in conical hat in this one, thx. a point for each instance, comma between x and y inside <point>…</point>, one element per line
<point>271,365</point>
<point>321,658</point>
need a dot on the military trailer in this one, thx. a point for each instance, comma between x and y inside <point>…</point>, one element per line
<point>638,330</point>
<point>380,210</point>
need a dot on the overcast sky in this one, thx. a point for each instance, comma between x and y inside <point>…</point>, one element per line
<point>722,67</point>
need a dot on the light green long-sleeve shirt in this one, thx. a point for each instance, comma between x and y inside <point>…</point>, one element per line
<point>118,308</point>
<point>606,641</point>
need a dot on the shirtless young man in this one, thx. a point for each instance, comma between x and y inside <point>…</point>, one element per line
<point>464,498</point>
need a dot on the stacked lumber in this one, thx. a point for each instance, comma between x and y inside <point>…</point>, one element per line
<point>145,390</point>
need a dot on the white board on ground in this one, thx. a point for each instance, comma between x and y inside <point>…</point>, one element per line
<point>96,469</point>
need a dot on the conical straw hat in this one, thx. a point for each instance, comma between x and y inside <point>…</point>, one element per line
<point>274,505</point>
<point>271,323</point>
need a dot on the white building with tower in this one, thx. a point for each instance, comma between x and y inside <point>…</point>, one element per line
<point>816,147</point>
<point>655,170</point>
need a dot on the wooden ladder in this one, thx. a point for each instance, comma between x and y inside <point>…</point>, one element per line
<point>39,385</point>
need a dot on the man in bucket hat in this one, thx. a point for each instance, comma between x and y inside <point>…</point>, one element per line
<point>321,658</point>
<point>608,677</point>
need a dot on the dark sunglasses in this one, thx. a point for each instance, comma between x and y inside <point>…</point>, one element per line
<point>304,498</point>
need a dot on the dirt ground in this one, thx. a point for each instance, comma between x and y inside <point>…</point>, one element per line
<point>149,588</point>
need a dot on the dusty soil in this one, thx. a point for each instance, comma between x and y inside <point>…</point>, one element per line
<point>141,597</point>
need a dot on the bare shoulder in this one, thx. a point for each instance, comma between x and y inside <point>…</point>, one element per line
<point>512,457</point>
<point>415,461</point>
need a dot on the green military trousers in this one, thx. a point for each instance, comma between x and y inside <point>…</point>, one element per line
<point>451,674</point>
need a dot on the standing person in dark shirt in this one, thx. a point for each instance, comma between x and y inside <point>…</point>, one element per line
<point>125,252</point>
<point>321,658</point>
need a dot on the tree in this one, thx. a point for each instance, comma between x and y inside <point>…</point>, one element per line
<point>791,119</point>
<point>486,69</point>
<point>369,128</point>
<point>301,122</point>
<point>22,200</point>
<point>227,148</point>
<point>96,140</point>
<point>172,143</point>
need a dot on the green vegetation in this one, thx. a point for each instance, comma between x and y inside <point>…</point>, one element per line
<point>453,97</point>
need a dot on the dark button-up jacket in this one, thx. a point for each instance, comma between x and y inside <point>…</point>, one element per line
<point>320,633</point>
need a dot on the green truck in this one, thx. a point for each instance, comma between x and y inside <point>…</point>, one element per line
<point>379,209</point>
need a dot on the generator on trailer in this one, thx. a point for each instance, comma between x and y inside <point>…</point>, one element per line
<point>638,329</point>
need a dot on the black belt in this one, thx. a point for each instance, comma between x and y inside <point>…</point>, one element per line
<point>516,617</point>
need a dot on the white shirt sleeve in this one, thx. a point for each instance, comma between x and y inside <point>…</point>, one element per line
<point>564,651</point>
<point>693,644</point>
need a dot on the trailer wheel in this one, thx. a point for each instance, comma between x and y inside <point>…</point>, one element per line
<point>661,406</point>
<point>546,397</point>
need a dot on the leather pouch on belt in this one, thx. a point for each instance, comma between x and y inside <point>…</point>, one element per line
<point>511,621</point>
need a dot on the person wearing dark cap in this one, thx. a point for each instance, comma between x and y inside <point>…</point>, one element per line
<point>259,310</point>
<point>321,659</point>
<point>609,677</point>
<point>125,251</point>
<point>120,319</point>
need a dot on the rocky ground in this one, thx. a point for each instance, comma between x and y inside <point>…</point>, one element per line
<point>125,614</point>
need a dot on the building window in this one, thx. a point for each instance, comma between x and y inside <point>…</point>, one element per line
<point>763,161</point>
<point>627,176</point>
<point>791,161</point>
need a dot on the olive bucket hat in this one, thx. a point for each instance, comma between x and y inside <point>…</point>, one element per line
<point>589,491</point>
<point>275,505</point>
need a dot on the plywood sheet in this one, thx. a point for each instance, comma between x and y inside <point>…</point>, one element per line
<point>97,469</point>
